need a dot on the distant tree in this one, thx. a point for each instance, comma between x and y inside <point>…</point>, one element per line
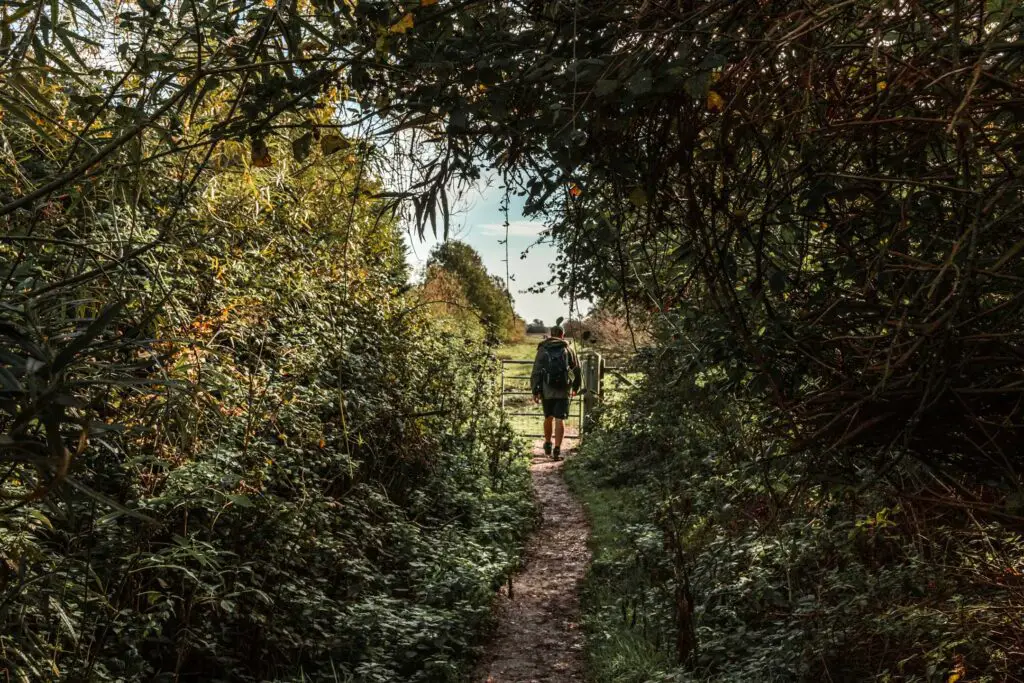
<point>536,327</point>
<point>484,292</point>
<point>443,292</point>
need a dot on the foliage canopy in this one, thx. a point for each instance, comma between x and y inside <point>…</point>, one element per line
<point>818,202</point>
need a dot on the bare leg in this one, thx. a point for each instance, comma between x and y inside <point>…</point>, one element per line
<point>559,432</point>
<point>548,425</point>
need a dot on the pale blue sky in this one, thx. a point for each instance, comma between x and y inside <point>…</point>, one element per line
<point>480,223</point>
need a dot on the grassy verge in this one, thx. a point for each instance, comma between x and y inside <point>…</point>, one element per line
<point>622,630</point>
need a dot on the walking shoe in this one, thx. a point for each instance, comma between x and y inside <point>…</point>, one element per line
<point>547,448</point>
<point>557,454</point>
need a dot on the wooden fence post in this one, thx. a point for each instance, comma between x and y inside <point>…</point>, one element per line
<point>592,366</point>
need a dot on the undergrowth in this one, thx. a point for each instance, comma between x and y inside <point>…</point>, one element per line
<point>780,578</point>
<point>285,468</point>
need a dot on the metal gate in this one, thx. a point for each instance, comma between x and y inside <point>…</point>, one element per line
<point>517,402</point>
<point>517,399</point>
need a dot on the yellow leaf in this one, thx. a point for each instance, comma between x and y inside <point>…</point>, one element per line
<point>959,670</point>
<point>403,24</point>
<point>715,102</point>
<point>882,85</point>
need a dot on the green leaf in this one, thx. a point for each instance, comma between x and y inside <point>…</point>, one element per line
<point>640,83</point>
<point>41,518</point>
<point>83,340</point>
<point>638,197</point>
<point>9,382</point>
<point>20,337</point>
<point>241,501</point>
<point>301,146</point>
<point>713,61</point>
<point>65,620</point>
<point>696,86</point>
<point>109,502</point>
<point>605,87</point>
<point>69,44</point>
<point>88,10</point>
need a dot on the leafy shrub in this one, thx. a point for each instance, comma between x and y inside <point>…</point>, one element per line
<point>788,579</point>
<point>281,467</point>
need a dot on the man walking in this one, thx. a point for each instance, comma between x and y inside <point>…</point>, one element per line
<point>555,379</point>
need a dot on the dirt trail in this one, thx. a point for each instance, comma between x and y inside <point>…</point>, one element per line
<point>539,639</point>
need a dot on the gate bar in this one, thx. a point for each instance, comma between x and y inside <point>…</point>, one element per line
<point>535,415</point>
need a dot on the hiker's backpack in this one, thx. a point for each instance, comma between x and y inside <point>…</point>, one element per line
<point>556,366</point>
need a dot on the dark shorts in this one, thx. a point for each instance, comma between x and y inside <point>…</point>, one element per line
<point>556,407</point>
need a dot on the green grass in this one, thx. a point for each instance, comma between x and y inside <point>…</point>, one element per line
<point>617,648</point>
<point>523,350</point>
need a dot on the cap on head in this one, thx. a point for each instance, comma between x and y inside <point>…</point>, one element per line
<point>557,331</point>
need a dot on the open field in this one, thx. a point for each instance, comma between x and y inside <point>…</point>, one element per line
<point>522,350</point>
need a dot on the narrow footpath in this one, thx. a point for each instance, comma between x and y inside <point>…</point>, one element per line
<point>539,639</point>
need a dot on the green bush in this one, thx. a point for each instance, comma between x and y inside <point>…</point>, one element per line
<point>790,579</point>
<point>282,467</point>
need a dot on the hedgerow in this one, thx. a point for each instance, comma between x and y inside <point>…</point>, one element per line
<point>285,468</point>
<point>711,541</point>
<point>818,202</point>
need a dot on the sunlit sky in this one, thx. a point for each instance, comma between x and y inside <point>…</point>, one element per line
<point>480,223</point>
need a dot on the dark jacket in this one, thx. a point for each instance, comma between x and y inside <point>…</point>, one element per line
<point>537,377</point>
